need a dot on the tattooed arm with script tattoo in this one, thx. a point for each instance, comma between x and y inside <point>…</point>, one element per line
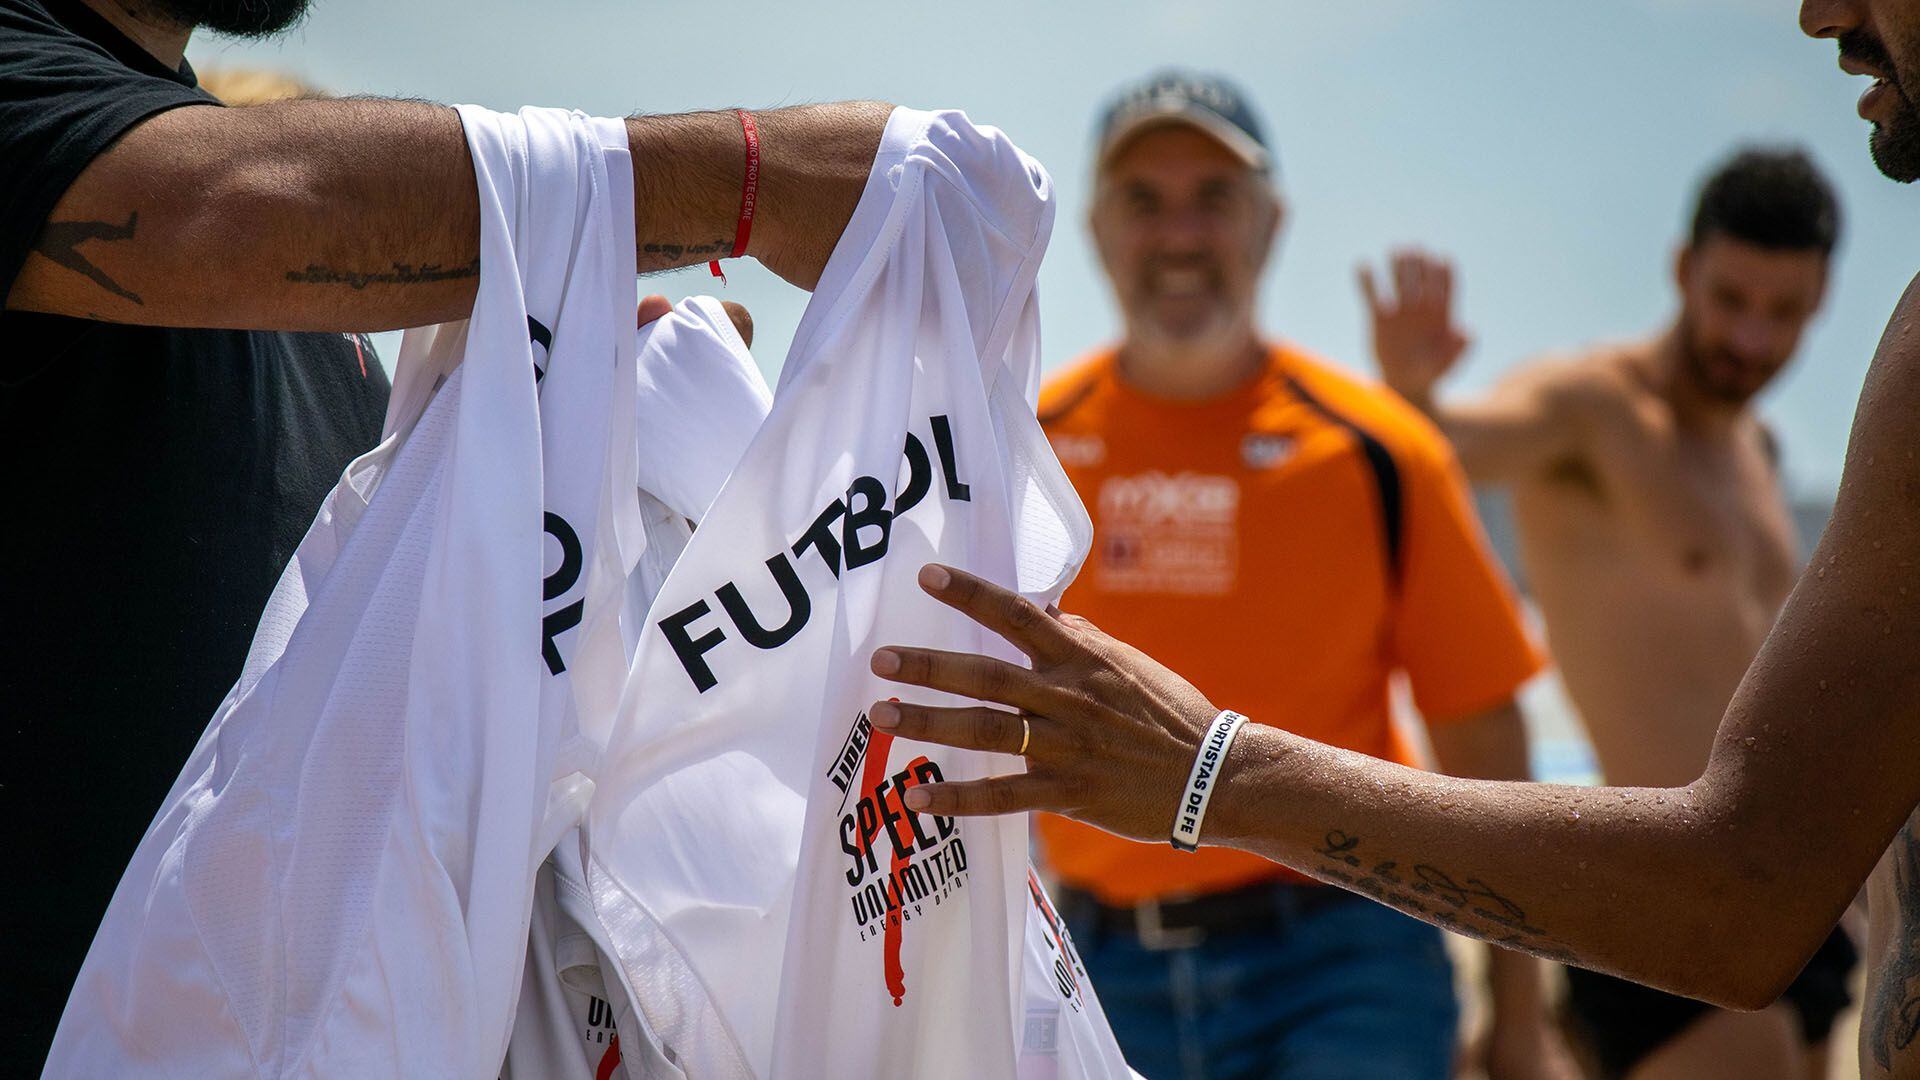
<point>360,214</point>
<point>1719,890</point>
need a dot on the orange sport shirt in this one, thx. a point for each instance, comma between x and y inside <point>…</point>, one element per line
<point>1286,548</point>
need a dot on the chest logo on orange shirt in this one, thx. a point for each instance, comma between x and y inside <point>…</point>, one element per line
<point>1159,497</point>
<point>1265,449</point>
<point>1173,533</point>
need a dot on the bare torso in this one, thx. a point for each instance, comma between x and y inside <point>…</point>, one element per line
<point>1659,557</point>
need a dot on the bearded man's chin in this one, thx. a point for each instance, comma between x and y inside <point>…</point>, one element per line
<point>1895,142</point>
<point>236,18</point>
<point>1894,154</point>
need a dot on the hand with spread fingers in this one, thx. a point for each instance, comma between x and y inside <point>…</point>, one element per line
<point>1091,709</point>
<point>1415,338</point>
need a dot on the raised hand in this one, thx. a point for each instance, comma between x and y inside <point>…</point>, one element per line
<point>1094,708</point>
<point>1415,340</point>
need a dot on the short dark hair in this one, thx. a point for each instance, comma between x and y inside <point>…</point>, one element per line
<point>1773,197</point>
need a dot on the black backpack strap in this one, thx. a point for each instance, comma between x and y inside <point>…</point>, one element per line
<point>1386,481</point>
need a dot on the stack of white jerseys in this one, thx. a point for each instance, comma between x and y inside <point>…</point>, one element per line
<point>526,775</point>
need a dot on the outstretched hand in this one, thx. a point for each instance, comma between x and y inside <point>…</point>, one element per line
<point>1110,734</point>
<point>1415,340</point>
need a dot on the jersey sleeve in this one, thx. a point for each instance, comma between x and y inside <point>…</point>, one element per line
<point>1457,627</point>
<point>63,100</point>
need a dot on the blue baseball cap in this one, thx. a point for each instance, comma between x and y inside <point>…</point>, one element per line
<point>1172,96</point>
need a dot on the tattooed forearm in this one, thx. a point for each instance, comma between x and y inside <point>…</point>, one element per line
<point>1463,905</point>
<point>400,274</point>
<point>1892,1017</point>
<point>60,241</point>
<point>658,253</point>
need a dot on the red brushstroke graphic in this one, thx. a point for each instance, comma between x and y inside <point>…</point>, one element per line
<point>873,772</point>
<point>609,1061</point>
<point>1070,981</point>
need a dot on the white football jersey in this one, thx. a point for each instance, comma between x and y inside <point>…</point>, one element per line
<point>774,907</point>
<point>700,400</point>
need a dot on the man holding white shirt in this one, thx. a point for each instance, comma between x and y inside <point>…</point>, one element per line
<point>187,292</point>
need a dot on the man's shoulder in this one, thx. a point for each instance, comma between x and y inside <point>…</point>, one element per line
<point>71,85</point>
<point>1595,378</point>
<point>1066,391</point>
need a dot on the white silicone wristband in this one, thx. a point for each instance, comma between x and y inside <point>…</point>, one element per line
<point>1192,811</point>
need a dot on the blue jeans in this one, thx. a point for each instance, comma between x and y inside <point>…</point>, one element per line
<point>1344,991</point>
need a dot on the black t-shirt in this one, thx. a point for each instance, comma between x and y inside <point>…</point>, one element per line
<point>156,482</point>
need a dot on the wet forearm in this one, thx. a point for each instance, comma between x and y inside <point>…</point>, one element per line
<point>1492,745</point>
<point>1646,883</point>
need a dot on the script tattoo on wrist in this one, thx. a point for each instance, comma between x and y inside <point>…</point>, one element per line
<point>1464,905</point>
<point>399,274</point>
<point>672,254</point>
<point>60,241</point>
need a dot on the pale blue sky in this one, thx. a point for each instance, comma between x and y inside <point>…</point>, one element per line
<point>1552,146</point>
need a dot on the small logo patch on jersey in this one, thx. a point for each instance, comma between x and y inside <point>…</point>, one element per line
<point>1265,450</point>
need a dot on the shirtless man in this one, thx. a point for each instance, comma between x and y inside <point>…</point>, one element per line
<point>1720,889</point>
<point>1657,541</point>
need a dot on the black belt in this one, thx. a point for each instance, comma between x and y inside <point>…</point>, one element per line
<point>1266,908</point>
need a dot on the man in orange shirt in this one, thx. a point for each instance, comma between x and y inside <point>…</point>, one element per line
<point>1289,538</point>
